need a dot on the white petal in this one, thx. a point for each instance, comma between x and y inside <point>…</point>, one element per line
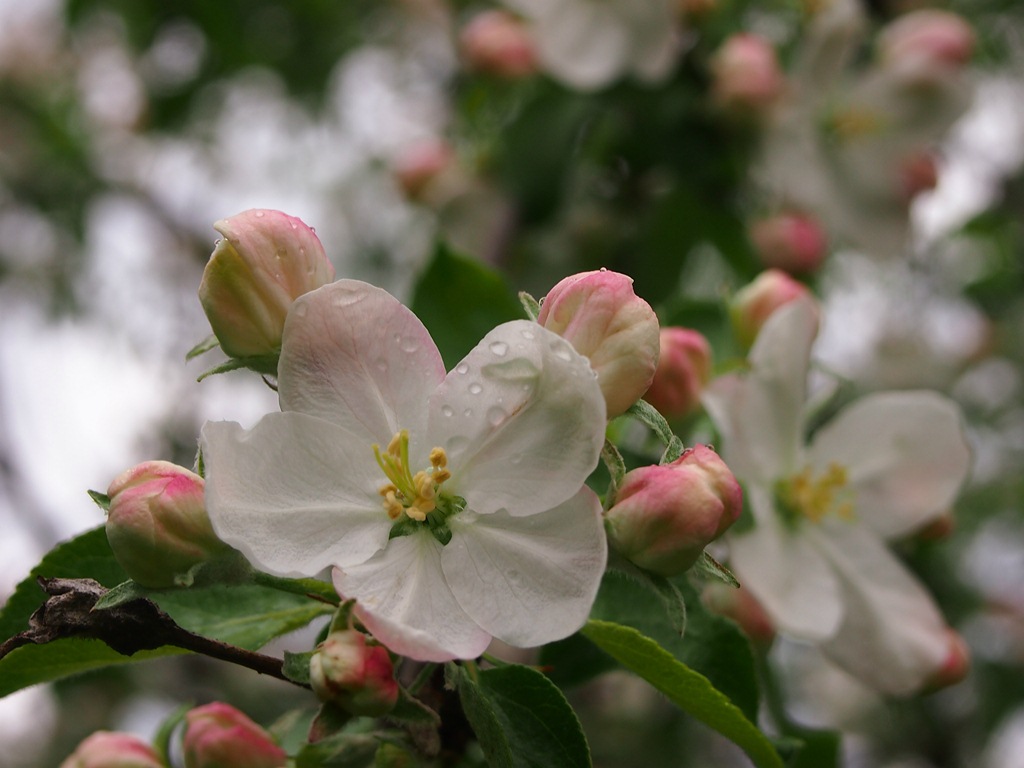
<point>583,44</point>
<point>760,414</point>
<point>404,600</point>
<point>522,419</point>
<point>529,580</point>
<point>292,494</point>
<point>788,575</point>
<point>354,355</point>
<point>905,453</point>
<point>892,635</point>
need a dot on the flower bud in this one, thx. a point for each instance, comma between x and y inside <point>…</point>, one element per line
<point>664,515</point>
<point>793,242</point>
<point>918,172</point>
<point>684,368</point>
<point>107,749</point>
<point>746,77</point>
<point>157,524</point>
<point>753,304</point>
<point>928,44</point>
<point>356,676</point>
<point>598,313</point>
<point>738,604</point>
<point>427,172</point>
<point>954,667</point>
<point>219,736</point>
<point>264,262</point>
<point>499,44</point>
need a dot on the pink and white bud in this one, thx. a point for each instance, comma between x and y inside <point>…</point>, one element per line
<point>265,260</point>
<point>422,167</point>
<point>927,44</point>
<point>357,676</point>
<point>498,43</point>
<point>684,369</point>
<point>746,77</point>
<point>108,749</point>
<point>738,604</point>
<point>664,515</point>
<point>754,303</point>
<point>954,667</point>
<point>793,242</point>
<point>219,736</point>
<point>606,322</point>
<point>157,524</point>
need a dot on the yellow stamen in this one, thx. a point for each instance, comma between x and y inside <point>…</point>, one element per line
<point>815,498</point>
<point>413,494</point>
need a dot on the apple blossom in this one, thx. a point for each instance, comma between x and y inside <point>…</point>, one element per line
<point>598,313</point>
<point>791,241</point>
<point>109,749</point>
<point>664,515</point>
<point>927,43</point>
<point>356,675</point>
<point>434,534</point>
<point>684,368</point>
<point>219,736</point>
<point>157,524</point>
<point>498,43</point>
<point>265,260</point>
<point>753,304</point>
<point>746,77</point>
<point>815,558</point>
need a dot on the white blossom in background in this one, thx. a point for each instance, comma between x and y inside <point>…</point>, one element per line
<point>816,555</point>
<point>410,482</point>
<point>588,44</point>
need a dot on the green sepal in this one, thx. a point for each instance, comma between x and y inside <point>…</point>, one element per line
<point>296,666</point>
<point>210,342</point>
<point>342,619</point>
<point>650,417</point>
<point>708,567</point>
<point>123,593</point>
<point>101,499</point>
<point>265,364</point>
<point>530,305</point>
<point>162,740</point>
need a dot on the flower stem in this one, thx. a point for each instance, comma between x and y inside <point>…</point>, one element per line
<point>311,588</point>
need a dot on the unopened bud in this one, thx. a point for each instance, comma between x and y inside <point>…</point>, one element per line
<point>219,736</point>
<point>955,666</point>
<point>926,44</point>
<point>918,172</point>
<point>738,604</point>
<point>793,242</point>
<point>265,260</point>
<point>357,676</point>
<point>746,77</point>
<point>157,524</point>
<point>107,749</point>
<point>606,322</point>
<point>753,304</point>
<point>426,170</point>
<point>664,515</point>
<point>684,368</point>
<point>499,44</point>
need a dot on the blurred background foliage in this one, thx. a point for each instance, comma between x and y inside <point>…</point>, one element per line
<point>127,128</point>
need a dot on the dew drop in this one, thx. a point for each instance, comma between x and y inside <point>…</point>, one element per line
<point>462,368</point>
<point>496,415</point>
<point>300,309</point>
<point>500,348</point>
<point>604,269</point>
<point>527,334</point>
<point>408,344</point>
<point>260,214</point>
<point>468,412</point>
<point>563,354</point>
<point>348,298</point>
<point>475,388</point>
<point>447,411</point>
<point>382,364</point>
<point>294,225</point>
<point>456,444</point>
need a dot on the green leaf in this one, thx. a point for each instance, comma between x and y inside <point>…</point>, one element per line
<point>296,666</point>
<point>687,689</point>
<point>521,719</point>
<point>124,592</point>
<point>459,300</point>
<point>343,750</point>
<point>203,346</point>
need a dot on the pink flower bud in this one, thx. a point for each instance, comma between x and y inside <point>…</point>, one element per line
<point>753,304</point>
<point>107,749</point>
<point>918,172</point>
<point>157,524</point>
<point>264,262</point>
<point>954,667</point>
<point>746,77</point>
<point>928,43</point>
<point>219,736</point>
<point>423,165</point>
<point>738,604</point>
<point>793,242</point>
<point>498,43</point>
<point>598,313</point>
<point>665,515</point>
<point>357,676</point>
<point>684,368</point>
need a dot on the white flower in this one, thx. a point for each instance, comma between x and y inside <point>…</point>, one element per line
<point>588,44</point>
<point>815,557</point>
<point>378,457</point>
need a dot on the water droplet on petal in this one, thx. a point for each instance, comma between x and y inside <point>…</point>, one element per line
<point>475,388</point>
<point>563,354</point>
<point>527,334</point>
<point>500,348</point>
<point>300,309</point>
<point>462,368</point>
<point>456,444</point>
<point>496,415</point>
<point>260,214</point>
<point>468,412</point>
<point>604,269</point>
<point>382,364</point>
<point>447,411</point>
<point>348,298</point>
<point>408,344</point>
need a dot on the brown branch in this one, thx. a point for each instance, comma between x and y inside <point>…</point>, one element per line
<point>129,627</point>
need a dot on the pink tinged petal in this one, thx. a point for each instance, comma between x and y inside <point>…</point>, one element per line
<point>892,635</point>
<point>295,494</point>
<point>522,419</point>
<point>787,574</point>
<point>528,580</point>
<point>354,355</point>
<point>405,602</point>
<point>906,456</point>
